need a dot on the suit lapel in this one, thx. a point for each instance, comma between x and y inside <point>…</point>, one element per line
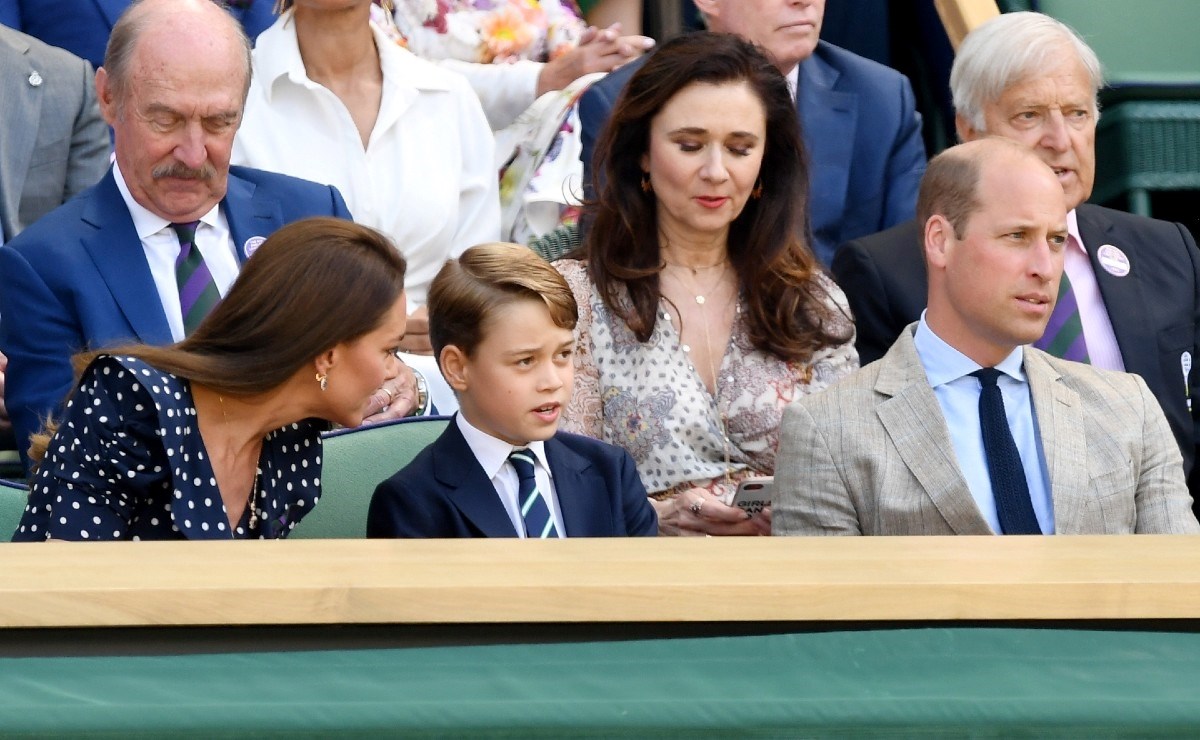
<point>455,467</point>
<point>1060,425</point>
<point>827,121</point>
<point>580,492</point>
<point>1123,298</point>
<point>252,216</point>
<point>17,135</point>
<point>117,252</point>
<point>914,422</point>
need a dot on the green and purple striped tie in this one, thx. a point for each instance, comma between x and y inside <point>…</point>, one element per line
<point>1064,332</point>
<point>197,291</point>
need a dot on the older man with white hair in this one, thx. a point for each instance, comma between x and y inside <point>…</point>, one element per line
<point>1131,296</point>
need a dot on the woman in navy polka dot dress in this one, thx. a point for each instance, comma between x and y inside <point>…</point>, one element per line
<point>218,437</point>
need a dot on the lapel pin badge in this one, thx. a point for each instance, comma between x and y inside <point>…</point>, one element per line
<point>35,79</point>
<point>1113,260</point>
<point>252,244</point>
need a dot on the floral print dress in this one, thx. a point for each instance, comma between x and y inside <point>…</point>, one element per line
<point>488,31</point>
<point>647,397</point>
<point>538,150</point>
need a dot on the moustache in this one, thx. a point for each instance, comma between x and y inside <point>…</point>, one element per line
<point>181,171</point>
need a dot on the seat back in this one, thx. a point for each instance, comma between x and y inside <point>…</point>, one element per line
<point>355,462</point>
<point>1146,140</point>
<point>13,497</point>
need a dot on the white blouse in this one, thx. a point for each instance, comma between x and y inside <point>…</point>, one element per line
<point>427,177</point>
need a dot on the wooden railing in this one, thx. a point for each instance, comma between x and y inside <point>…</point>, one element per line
<point>631,580</point>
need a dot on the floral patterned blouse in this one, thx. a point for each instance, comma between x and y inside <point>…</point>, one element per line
<point>487,31</point>
<point>647,397</point>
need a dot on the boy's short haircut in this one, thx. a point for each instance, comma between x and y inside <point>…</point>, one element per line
<point>468,291</point>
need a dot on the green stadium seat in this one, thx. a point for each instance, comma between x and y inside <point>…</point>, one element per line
<point>13,497</point>
<point>355,462</point>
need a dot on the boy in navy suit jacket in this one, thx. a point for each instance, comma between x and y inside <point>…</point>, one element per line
<point>501,321</point>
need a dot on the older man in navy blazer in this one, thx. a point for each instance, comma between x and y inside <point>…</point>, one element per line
<point>858,118</point>
<point>101,269</point>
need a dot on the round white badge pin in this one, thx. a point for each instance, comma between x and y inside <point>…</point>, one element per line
<point>252,244</point>
<point>1113,260</point>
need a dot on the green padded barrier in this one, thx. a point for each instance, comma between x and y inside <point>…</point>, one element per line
<point>355,461</point>
<point>938,682</point>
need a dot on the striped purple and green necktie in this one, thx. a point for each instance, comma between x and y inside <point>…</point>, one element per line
<point>197,291</point>
<point>1064,332</point>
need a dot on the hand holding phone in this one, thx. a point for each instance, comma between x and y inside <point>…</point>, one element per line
<point>754,494</point>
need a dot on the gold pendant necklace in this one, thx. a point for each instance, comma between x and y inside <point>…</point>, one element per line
<point>251,502</point>
<point>701,300</point>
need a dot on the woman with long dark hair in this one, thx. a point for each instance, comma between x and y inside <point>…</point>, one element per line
<point>703,312</point>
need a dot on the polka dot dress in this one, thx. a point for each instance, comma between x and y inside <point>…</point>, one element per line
<point>128,463</point>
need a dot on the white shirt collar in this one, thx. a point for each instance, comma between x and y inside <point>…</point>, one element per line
<point>492,453</point>
<point>793,80</point>
<point>145,222</point>
<point>277,56</point>
<point>1073,230</point>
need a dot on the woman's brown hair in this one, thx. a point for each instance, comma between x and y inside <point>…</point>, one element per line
<point>788,311</point>
<point>312,285</point>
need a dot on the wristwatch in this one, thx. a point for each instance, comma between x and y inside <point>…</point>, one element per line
<point>422,407</point>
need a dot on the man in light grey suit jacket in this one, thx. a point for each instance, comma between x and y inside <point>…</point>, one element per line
<point>896,448</point>
<point>53,142</point>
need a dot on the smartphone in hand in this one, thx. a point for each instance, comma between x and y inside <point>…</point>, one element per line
<point>754,494</point>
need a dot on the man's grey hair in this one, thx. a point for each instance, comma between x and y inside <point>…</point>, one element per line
<point>118,55</point>
<point>1009,49</point>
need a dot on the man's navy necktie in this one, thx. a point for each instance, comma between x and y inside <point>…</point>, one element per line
<point>1009,487</point>
<point>534,510</point>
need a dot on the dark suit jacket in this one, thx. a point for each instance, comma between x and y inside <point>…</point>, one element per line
<point>82,27</point>
<point>444,493</point>
<point>861,130</point>
<point>1155,309</point>
<point>53,142</point>
<point>78,279</point>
